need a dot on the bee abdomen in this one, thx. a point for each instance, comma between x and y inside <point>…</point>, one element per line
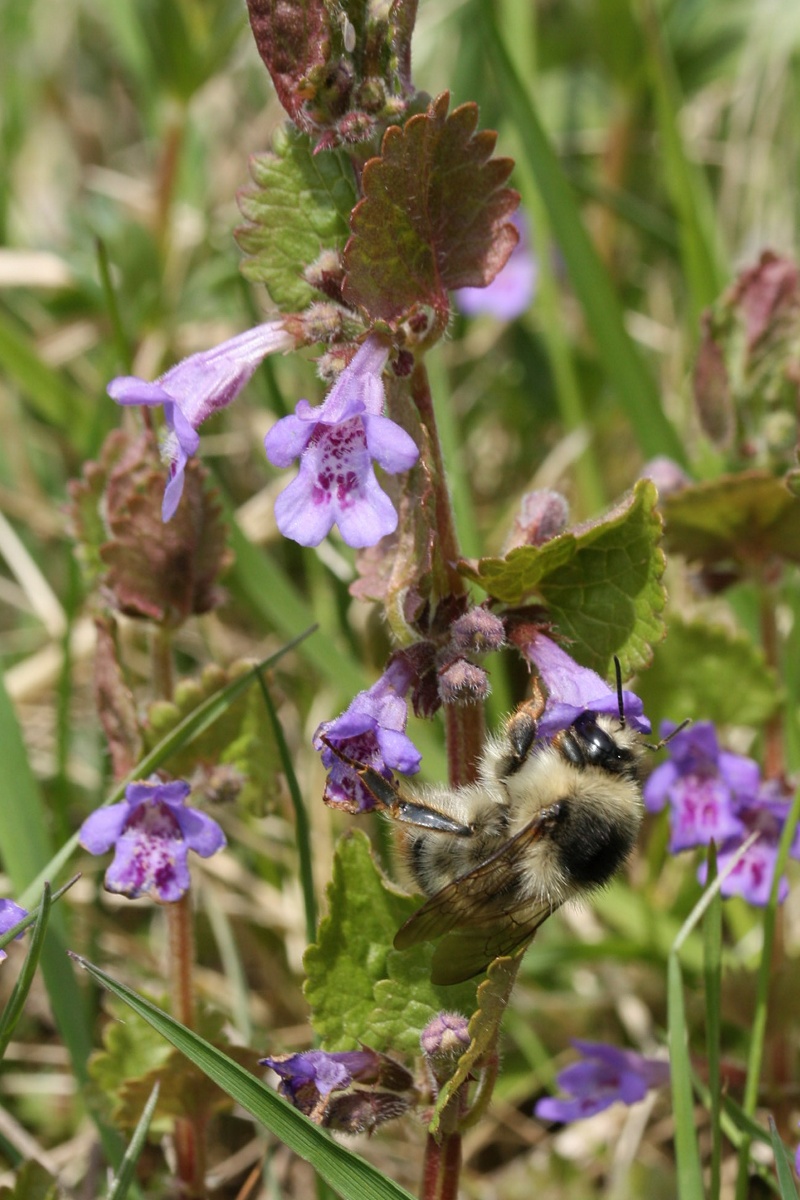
<point>592,843</point>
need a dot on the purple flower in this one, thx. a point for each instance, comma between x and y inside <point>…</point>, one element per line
<point>512,290</point>
<point>703,785</point>
<point>713,794</point>
<point>152,831</point>
<point>337,444</point>
<point>606,1075</point>
<point>197,387</point>
<point>572,690</point>
<point>371,732</point>
<point>10,915</point>
<point>308,1079</point>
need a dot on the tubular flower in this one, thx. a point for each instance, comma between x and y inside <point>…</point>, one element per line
<point>151,831</point>
<point>606,1074</point>
<point>337,444</point>
<point>196,388</point>
<point>308,1080</point>
<point>713,794</point>
<point>371,732</point>
<point>573,690</point>
<point>10,915</point>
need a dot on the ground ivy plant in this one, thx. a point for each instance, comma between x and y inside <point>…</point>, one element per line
<point>373,206</point>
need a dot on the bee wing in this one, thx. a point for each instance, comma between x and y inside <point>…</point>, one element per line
<point>466,952</point>
<point>480,907</point>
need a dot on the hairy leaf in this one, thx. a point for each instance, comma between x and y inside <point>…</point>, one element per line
<point>134,1057</point>
<point>360,988</point>
<point>147,569</point>
<point>601,582</point>
<point>434,215</point>
<point>493,994</point>
<point>705,672</point>
<point>299,207</point>
<point>292,39</point>
<point>739,520</point>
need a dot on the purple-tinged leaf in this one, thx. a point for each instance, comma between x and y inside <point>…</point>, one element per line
<point>293,39</point>
<point>435,215</point>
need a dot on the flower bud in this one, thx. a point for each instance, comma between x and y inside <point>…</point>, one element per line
<point>542,515</point>
<point>462,682</point>
<point>477,632</point>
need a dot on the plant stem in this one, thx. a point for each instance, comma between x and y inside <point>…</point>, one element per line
<point>189,1130</point>
<point>442,1167</point>
<point>446,549</point>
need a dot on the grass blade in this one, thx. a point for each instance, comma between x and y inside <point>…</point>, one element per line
<point>782,1165</point>
<point>712,974</point>
<point>633,384</point>
<point>301,823</point>
<point>350,1175</point>
<point>685,182</point>
<point>120,1185</point>
<point>687,1152</point>
<point>16,1001</point>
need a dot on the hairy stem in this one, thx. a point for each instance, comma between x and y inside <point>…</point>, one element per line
<point>441,1168</point>
<point>446,549</point>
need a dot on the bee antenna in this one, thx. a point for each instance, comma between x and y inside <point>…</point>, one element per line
<point>665,741</point>
<point>620,702</point>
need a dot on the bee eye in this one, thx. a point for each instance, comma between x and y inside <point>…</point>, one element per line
<point>598,747</point>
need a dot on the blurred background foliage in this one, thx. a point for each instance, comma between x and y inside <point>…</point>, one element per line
<point>125,131</point>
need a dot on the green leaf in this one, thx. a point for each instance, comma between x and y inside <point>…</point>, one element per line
<point>299,207</point>
<point>492,996</point>
<point>601,583</point>
<point>32,1182</point>
<point>360,988</point>
<point>350,1175</point>
<point>706,672</point>
<point>745,519</point>
<point>434,215</point>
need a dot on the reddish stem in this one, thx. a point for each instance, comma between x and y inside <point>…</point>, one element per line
<point>446,552</point>
<point>464,733</point>
<point>442,1168</point>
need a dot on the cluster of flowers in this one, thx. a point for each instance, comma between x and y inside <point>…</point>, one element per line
<point>337,442</point>
<point>716,795</point>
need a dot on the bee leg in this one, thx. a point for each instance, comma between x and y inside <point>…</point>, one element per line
<point>521,729</point>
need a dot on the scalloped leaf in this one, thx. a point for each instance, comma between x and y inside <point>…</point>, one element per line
<point>492,997</point>
<point>434,215</point>
<point>242,738</point>
<point>360,988</point>
<point>135,1057</point>
<point>705,672</point>
<point>745,519</point>
<point>601,582</point>
<point>299,206</point>
<point>292,39</point>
